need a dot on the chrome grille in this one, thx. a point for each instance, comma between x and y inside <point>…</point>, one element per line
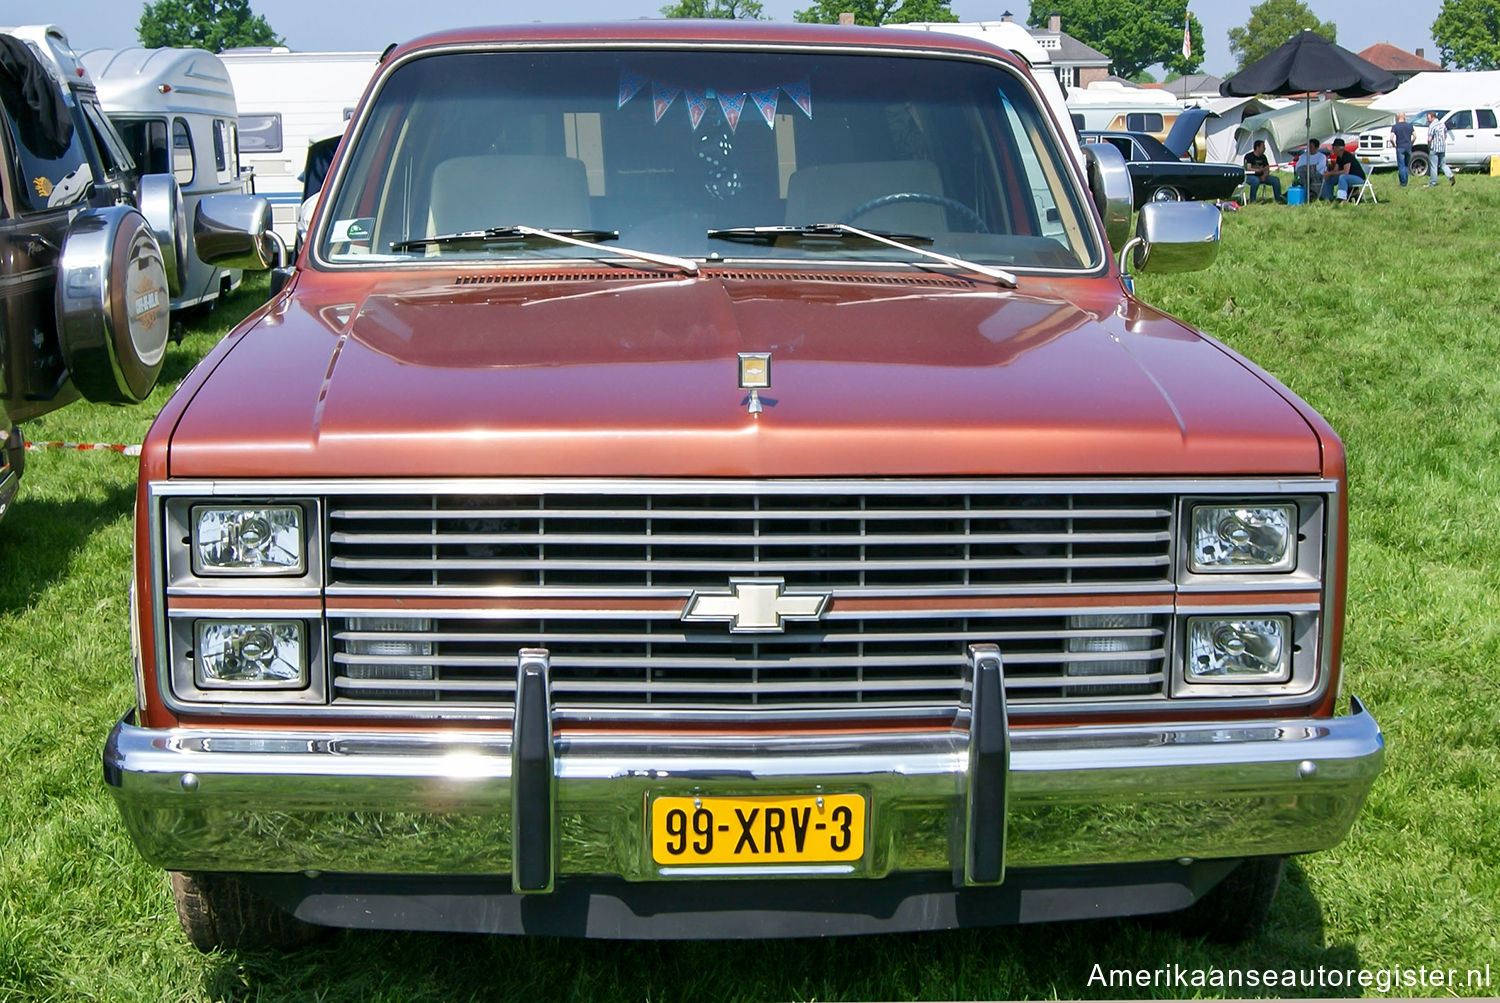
<point>913,660</point>
<point>603,542</point>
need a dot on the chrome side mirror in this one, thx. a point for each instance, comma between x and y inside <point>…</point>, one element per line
<point>234,231</point>
<point>159,199</point>
<point>1174,237</point>
<point>1109,184</point>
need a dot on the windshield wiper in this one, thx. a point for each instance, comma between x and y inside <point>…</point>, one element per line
<point>807,232</point>
<point>503,234</point>
<point>823,230</point>
<point>572,237</point>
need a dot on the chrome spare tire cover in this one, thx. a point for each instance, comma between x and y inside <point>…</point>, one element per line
<point>160,201</point>
<point>112,305</point>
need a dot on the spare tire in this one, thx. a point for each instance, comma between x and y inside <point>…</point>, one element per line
<point>112,305</point>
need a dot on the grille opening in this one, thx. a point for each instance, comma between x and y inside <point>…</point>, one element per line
<point>688,541</point>
<point>597,662</point>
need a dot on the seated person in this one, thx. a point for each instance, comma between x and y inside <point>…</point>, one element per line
<point>1258,172</point>
<point>1344,171</point>
<point>1310,167</point>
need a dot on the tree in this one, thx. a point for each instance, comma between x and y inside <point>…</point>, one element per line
<point>1467,33</point>
<point>877,12</point>
<point>214,25</point>
<point>1134,34</point>
<point>746,10</point>
<point>1271,23</point>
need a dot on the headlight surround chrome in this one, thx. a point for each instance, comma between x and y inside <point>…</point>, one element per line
<point>1243,538</point>
<point>248,540</point>
<point>1236,650</point>
<point>250,654</point>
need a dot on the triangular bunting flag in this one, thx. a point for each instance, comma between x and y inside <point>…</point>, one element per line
<point>662,98</point>
<point>697,104</point>
<point>630,86</point>
<point>801,92</point>
<point>765,103</point>
<point>732,104</point>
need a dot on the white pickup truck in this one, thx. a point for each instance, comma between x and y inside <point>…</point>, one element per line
<point>1473,137</point>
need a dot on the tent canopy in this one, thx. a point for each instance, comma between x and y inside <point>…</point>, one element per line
<point>1293,126</point>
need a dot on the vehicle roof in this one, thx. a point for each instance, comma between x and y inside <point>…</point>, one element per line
<point>51,45</point>
<point>131,80</point>
<point>711,31</point>
<point>1149,143</point>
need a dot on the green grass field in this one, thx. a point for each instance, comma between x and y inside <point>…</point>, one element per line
<point>1384,317</point>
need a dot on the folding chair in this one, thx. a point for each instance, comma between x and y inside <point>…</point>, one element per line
<point>1365,189</point>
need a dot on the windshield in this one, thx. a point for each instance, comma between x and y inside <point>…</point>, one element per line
<point>658,148</point>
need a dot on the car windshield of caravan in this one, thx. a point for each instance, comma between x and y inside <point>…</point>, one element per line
<point>709,155</point>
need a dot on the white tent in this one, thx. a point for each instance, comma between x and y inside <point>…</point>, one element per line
<point>1480,89</point>
<point>1222,147</point>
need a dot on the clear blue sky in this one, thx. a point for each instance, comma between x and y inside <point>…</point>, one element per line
<point>311,25</point>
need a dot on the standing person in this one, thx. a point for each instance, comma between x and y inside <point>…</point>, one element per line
<point>1401,135</point>
<point>1344,172</point>
<point>1437,146</point>
<point>1258,172</point>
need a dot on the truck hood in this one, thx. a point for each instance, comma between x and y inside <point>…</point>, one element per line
<point>591,375</point>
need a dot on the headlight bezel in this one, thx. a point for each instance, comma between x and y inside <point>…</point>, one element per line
<point>1304,655</point>
<point>187,684</point>
<point>203,569</point>
<point>1307,556</point>
<point>182,571</point>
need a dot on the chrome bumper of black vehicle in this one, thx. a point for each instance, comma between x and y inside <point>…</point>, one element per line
<point>407,803</point>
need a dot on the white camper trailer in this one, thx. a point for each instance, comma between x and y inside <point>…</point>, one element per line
<point>1015,38</point>
<point>175,110</point>
<point>287,101</point>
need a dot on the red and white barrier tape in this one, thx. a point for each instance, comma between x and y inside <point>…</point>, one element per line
<point>107,447</point>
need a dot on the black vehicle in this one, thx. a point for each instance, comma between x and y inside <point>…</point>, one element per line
<point>1157,175</point>
<point>84,277</point>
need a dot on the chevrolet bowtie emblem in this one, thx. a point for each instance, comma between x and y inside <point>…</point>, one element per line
<point>756,606</point>
<point>755,376</point>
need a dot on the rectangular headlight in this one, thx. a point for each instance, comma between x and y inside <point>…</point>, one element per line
<point>1253,649</point>
<point>248,540</point>
<point>1243,538</point>
<point>253,654</point>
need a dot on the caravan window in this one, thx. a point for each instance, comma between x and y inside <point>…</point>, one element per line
<point>183,160</point>
<point>226,157</point>
<point>147,142</point>
<point>261,133</point>
<point>1143,121</point>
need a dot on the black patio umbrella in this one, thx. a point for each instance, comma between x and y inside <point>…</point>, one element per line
<point>1308,62</point>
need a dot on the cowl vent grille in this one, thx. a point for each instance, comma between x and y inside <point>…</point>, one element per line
<point>632,275</point>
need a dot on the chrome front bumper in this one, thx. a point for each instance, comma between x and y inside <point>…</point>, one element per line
<point>303,800</point>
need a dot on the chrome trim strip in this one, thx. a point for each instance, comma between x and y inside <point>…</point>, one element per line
<point>715,486</point>
<point>260,800</point>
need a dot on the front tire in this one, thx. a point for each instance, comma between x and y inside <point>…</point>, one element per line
<point>1236,908</point>
<point>1419,165</point>
<point>1166,193</point>
<point>218,913</point>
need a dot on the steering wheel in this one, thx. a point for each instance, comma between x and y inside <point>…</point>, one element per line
<point>927,198</point>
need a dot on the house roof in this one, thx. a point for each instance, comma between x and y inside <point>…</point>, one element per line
<point>1388,57</point>
<point>1065,50</point>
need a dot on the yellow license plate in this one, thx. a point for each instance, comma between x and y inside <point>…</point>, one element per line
<point>759,830</point>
